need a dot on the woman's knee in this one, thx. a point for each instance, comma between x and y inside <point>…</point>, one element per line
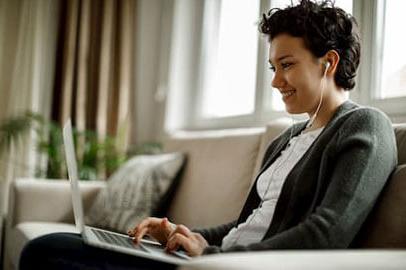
<point>39,250</point>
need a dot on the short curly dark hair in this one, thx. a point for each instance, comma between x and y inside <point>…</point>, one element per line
<point>323,27</point>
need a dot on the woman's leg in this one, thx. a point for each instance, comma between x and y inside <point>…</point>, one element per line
<point>68,251</point>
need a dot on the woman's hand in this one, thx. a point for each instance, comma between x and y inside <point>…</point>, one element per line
<point>158,228</point>
<point>193,243</point>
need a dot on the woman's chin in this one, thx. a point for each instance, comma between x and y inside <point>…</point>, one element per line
<point>292,110</point>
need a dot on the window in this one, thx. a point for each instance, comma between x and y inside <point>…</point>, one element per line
<point>393,78</point>
<point>230,66</point>
<point>233,81</point>
<point>382,80</point>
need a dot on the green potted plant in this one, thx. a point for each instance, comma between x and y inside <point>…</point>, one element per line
<point>96,156</point>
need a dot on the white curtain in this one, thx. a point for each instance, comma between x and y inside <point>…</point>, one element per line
<point>27,51</point>
<point>184,66</point>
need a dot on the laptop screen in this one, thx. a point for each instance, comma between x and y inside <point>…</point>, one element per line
<point>73,175</point>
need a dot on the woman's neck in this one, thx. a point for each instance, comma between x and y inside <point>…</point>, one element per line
<point>327,110</point>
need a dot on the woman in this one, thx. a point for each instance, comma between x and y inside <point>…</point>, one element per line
<point>319,179</point>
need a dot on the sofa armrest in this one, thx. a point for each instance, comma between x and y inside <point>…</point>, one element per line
<point>46,200</point>
<point>302,260</point>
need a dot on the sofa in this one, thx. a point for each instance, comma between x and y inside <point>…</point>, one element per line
<point>220,169</point>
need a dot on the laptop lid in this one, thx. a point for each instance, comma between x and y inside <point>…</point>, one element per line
<point>151,251</point>
<point>73,175</point>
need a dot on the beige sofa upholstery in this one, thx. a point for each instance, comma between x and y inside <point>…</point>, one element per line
<point>219,172</point>
<point>38,207</point>
<point>206,187</point>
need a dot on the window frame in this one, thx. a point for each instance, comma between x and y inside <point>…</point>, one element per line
<point>261,114</point>
<point>369,84</point>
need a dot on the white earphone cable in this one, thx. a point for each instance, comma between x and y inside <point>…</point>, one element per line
<point>323,85</point>
<point>310,123</point>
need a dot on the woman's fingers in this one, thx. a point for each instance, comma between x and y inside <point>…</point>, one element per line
<point>142,224</point>
<point>158,228</point>
<point>178,240</point>
<point>166,226</point>
<point>194,244</point>
<point>131,232</point>
<point>142,229</point>
<point>181,229</point>
<point>140,234</point>
<point>170,234</point>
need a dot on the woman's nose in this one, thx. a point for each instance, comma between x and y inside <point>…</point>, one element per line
<point>278,81</point>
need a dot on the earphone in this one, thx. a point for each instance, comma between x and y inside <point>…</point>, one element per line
<point>323,82</point>
<point>326,66</point>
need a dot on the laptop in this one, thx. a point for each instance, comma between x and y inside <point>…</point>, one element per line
<point>107,239</point>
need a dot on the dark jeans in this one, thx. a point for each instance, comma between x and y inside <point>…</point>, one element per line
<point>68,251</point>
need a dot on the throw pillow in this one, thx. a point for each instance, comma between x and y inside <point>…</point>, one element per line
<point>134,191</point>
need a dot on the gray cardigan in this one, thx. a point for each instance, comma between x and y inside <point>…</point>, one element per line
<point>328,194</point>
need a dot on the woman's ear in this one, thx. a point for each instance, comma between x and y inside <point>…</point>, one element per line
<point>331,58</point>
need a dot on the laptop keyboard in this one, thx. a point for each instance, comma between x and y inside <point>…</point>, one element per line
<point>125,241</point>
<point>114,239</point>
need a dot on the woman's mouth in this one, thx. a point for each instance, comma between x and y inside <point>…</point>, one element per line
<point>287,94</point>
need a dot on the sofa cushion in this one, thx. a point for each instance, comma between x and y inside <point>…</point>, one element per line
<point>18,236</point>
<point>134,191</point>
<point>217,176</point>
<point>386,225</point>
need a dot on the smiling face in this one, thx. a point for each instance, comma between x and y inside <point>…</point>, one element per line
<point>297,74</point>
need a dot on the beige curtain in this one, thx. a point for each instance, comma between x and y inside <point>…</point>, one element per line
<point>65,58</point>
<point>27,57</point>
<point>95,65</point>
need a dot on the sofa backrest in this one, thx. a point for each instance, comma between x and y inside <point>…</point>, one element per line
<point>217,176</point>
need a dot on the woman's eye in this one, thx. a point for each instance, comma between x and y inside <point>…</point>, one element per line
<point>286,65</point>
<point>272,68</point>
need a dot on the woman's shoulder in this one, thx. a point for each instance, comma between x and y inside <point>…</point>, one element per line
<point>363,122</point>
<point>355,114</point>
